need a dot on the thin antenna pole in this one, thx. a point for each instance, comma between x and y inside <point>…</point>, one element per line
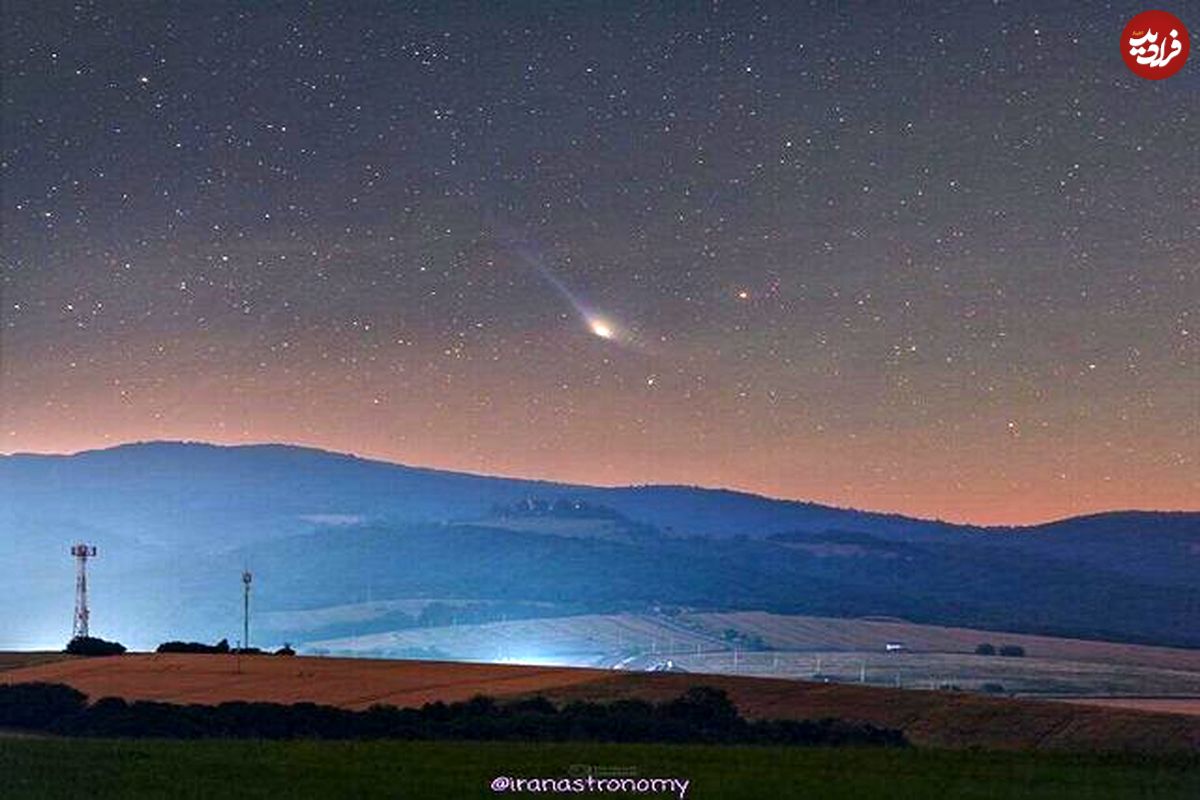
<point>246,579</point>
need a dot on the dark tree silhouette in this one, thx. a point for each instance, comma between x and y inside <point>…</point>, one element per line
<point>92,646</point>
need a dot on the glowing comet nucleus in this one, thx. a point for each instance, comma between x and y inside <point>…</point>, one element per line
<point>601,328</point>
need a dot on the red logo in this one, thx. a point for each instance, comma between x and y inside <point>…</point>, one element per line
<point>1155,45</point>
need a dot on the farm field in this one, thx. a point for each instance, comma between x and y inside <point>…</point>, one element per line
<point>817,648</point>
<point>941,719</point>
<point>48,769</point>
<point>788,632</point>
<point>349,683</point>
<point>584,640</point>
<point>1024,676</point>
<point>15,660</point>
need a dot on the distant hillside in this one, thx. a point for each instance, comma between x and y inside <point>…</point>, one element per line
<point>165,492</point>
<point>176,523</point>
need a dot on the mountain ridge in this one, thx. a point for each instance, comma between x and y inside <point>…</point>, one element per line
<point>169,445</point>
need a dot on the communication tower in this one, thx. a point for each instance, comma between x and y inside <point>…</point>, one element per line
<point>81,552</point>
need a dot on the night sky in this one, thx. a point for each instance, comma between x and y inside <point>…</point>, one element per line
<point>941,262</point>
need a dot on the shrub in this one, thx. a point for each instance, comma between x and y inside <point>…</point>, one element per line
<point>91,646</point>
<point>704,707</point>
<point>38,705</point>
<point>193,647</point>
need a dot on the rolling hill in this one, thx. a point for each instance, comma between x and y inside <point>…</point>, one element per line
<point>166,492</point>
<point>176,523</point>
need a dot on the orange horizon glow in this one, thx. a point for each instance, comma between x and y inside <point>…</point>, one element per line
<point>1024,461</point>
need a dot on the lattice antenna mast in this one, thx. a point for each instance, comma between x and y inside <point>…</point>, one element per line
<point>246,579</point>
<point>81,552</point>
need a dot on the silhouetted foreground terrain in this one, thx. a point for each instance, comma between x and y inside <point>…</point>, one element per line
<point>701,714</point>
<point>56,769</point>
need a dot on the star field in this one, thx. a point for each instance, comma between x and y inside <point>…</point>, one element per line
<point>943,262</point>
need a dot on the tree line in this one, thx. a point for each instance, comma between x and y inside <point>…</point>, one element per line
<point>701,715</point>
<point>1006,650</point>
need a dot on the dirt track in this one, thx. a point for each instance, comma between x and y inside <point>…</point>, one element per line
<point>1163,705</point>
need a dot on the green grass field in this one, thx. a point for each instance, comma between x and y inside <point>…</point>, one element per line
<point>60,768</point>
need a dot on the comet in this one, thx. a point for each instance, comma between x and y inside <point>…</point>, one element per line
<point>602,326</point>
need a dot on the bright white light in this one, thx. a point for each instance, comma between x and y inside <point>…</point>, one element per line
<point>601,328</point>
